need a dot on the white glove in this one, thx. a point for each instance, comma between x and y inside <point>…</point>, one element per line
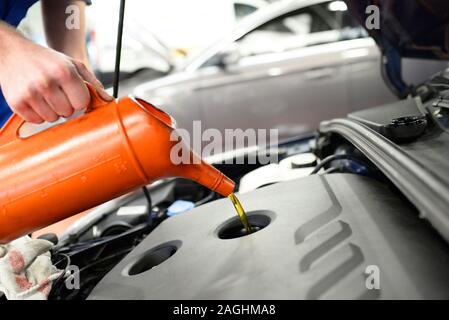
<point>26,270</point>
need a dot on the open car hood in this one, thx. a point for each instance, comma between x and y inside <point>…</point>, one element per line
<point>414,28</point>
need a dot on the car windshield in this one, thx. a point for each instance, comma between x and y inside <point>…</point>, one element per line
<point>300,27</point>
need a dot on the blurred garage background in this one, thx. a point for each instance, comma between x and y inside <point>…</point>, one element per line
<point>278,64</point>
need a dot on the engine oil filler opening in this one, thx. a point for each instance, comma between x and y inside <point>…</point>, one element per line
<point>233,228</point>
<point>151,258</point>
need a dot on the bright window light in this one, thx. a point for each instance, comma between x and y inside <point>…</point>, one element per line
<point>338,6</point>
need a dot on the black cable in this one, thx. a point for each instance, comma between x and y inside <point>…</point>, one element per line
<point>149,202</point>
<point>334,157</point>
<point>331,170</point>
<point>118,48</point>
<point>118,55</point>
<point>207,198</point>
<point>56,283</point>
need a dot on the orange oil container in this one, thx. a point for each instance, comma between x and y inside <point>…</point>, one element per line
<point>113,148</point>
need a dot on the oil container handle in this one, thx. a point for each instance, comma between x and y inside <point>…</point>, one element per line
<point>95,100</point>
<point>10,131</point>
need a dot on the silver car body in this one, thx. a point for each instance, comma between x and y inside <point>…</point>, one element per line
<point>262,79</point>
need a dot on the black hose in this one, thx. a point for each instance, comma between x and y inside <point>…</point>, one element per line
<point>334,157</point>
<point>56,283</point>
<point>208,198</point>
<point>118,48</point>
<point>331,170</point>
<point>149,202</point>
<point>118,56</point>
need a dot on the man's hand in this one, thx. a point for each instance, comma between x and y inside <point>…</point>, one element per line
<point>41,84</point>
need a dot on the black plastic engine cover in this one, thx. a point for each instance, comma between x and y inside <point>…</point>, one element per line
<point>325,233</point>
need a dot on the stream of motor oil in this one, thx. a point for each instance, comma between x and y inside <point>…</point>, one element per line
<point>238,207</point>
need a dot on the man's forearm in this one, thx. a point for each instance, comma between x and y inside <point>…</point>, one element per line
<point>59,37</point>
<point>10,38</point>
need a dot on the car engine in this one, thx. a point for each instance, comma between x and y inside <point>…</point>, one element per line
<point>323,225</point>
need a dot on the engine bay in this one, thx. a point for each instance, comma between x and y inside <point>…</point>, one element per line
<point>318,237</point>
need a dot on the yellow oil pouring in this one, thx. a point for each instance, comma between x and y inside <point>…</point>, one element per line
<point>238,207</point>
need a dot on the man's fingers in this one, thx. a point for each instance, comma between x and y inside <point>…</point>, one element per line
<point>59,93</point>
<point>75,90</point>
<point>103,94</point>
<point>41,107</point>
<point>59,102</point>
<point>90,77</point>
<point>29,115</point>
<point>86,74</point>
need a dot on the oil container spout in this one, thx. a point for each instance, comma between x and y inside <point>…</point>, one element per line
<point>210,177</point>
